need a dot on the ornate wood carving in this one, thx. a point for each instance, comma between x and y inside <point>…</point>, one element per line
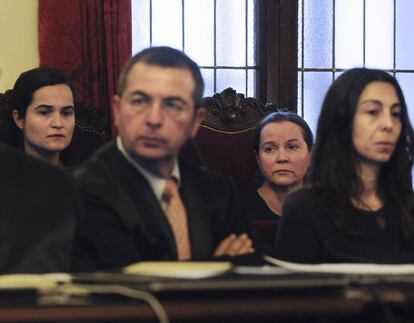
<point>230,111</point>
<point>92,120</point>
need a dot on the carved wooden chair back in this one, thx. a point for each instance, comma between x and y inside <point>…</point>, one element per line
<point>92,130</point>
<point>4,99</point>
<point>225,136</point>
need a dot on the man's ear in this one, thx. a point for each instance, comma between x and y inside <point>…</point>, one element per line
<point>199,115</point>
<point>116,104</point>
<point>19,121</point>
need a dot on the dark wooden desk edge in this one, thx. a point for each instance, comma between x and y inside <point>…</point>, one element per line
<point>194,309</point>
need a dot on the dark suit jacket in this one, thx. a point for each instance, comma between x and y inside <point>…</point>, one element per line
<point>125,223</point>
<point>38,208</point>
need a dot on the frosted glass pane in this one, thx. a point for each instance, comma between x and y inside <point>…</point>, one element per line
<point>167,23</point>
<point>404,34</point>
<point>318,33</point>
<point>231,33</point>
<point>349,33</point>
<point>338,74</point>
<point>251,83</point>
<point>199,31</point>
<point>299,98</point>
<point>379,33</point>
<point>251,44</point>
<point>316,84</point>
<point>140,25</point>
<point>300,33</point>
<point>406,81</point>
<point>208,76</point>
<point>235,79</point>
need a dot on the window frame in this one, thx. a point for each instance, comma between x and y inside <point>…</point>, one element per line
<point>276,43</point>
<point>278,52</point>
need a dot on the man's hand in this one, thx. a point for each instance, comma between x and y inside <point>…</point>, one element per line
<point>235,245</point>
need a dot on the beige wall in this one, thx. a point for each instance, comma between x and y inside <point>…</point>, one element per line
<point>19,49</point>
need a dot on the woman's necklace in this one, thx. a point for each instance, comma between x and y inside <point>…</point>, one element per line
<point>267,203</point>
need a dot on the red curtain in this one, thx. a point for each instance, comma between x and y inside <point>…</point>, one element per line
<point>88,39</point>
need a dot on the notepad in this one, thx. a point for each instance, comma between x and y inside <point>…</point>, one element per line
<point>178,269</point>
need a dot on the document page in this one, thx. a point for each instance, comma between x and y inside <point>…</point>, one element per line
<point>178,269</point>
<point>345,268</point>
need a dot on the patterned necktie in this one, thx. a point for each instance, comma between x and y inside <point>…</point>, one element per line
<point>177,217</point>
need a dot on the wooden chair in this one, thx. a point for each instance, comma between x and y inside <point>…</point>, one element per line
<point>224,143</point>
<point>4,99</point>
<point>91,132</point>
<point>224,140</point>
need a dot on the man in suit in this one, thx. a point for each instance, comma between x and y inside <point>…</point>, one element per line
<point>38,209</point>
<point>128,219</point>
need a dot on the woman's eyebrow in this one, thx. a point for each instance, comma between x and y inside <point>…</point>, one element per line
<point>371,101</point>
<point>43,106</point>
<point>378,102</point>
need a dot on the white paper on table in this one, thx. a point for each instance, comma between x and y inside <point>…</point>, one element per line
<point>178,269</point>
<point>35,281</point>
<point>345,268</point>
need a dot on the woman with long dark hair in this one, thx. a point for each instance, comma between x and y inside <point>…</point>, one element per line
<point>358,206</point>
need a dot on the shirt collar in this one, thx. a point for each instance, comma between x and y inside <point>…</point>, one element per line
<point>157,183</point>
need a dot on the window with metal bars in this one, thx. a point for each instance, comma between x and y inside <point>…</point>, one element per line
<point>220,35</point>
<point>334,35</point>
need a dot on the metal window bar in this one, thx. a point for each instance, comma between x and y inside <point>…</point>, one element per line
<point>150,22</point>
<point>183,24</point>
<point>394,54</point>
<point>214,67</point>
<point>302,72</point>
<point>215,47</point>
<point>246,24</point>
<point>334,69</point>
<point>224,67</point>
<point>333,40</point>
<point>364,7</point>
